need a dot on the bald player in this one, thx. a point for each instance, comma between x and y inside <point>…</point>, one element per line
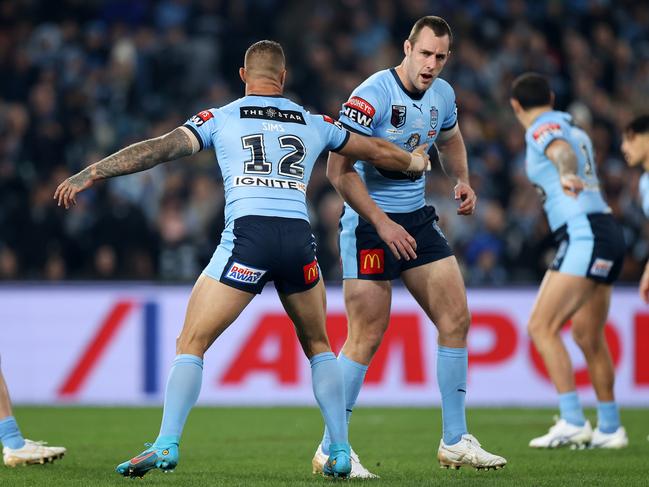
<point>266,147</point>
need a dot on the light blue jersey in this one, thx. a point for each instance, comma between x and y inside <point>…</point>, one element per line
<point>644,193</point>
<point>559,207</point>
<point>382,107</point>
<point>266,147</point>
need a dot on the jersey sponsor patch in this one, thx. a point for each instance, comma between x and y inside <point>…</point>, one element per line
<point>272,113</point>
<point>243,273</point>
<point>261,182</point>
<point>398,116</point>
<point>311,272</point>
<point>601,267</point>
<point>545,132</point>
<point>201,117</point>
<point>412,142</point>
<point>359,111</point>
<point>330,120</point>
<point>372,261</point>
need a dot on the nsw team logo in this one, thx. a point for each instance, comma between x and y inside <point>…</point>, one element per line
<point>311,272</point>
<point>372,261</point>
<point>434,115</point>
<point>244,274</point>
<point>398,118</point>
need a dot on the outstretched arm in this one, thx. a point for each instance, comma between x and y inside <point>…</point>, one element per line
<point>452,156</point>
<point>561,154</point>
<point>140,156</point>
<point>384,154</point>
<point>343,177</point>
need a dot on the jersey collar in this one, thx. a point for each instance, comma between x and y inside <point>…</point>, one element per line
<point>411,94</point>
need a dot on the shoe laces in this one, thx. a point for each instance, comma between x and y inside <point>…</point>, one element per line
<point>37,443</point>
<point>472,440</point>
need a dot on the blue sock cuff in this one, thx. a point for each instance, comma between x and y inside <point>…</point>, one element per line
<point>186,358</point>
<point>568,396</point>
<point>321,357</point>
<point>7,420</point>
<point>452,352</point>
<point>347,361</point>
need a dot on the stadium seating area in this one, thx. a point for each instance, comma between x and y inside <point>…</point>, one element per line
<point>76,87</point>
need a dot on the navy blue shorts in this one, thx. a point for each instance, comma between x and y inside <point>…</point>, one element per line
<point>258,249</point>
<point>590,246</point>
<point>366,256</point>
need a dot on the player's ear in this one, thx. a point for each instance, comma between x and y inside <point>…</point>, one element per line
<point>242,74</point>
<point>516,106</point>
<point>552,98</point>
<point>407,47</point>
<point>282,78</point>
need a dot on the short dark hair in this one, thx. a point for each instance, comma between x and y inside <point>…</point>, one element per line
<point>270,52</point>
<point>531,90</point>
<point>639,125</point>
<point>437,24</point>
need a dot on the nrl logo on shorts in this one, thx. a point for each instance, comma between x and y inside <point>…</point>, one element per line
<point>434,114</point>
<point>398,118</point>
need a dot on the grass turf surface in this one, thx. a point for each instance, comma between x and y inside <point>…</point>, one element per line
<point>274,446</point>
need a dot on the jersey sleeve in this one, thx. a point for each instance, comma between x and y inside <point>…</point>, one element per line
<point>644,193</point>
<point>334,135</point>
<point>204,125</point>
<point>363,111</point>
<point>541,135</point>
<point>448,94</point>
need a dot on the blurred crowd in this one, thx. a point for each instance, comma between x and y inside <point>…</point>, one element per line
<point>83,78</point>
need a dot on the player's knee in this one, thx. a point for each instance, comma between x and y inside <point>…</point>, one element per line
<point>587,340</point>
<point>367,340</point>
<point>538,330</point>
<point>455,327</point>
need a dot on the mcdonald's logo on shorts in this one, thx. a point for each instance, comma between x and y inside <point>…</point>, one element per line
<point>372,261</point>
<point>311,272</point>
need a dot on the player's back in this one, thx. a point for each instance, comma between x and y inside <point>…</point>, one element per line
<point>543,173</point>
<point>266,147</point>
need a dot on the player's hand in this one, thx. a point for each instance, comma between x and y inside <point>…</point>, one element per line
<point>419,159</point>
<point>572,184</point>
<point>644,285</point>
<point>467,197</point>
<point>401,243</point>
<point>66,192</point>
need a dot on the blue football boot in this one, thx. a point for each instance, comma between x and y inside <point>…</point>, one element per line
<point>339,463</point>
<point>165,458</point>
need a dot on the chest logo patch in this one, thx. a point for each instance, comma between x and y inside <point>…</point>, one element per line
<point>434,115</point>
<point>398,118</point>
<point>412,142</point>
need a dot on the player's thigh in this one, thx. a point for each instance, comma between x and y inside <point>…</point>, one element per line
<point>559,298</point>
<point>212,307</point>
<point>307,310</point>
<point>367,304</point>
<point>439,289</point>
<point>589,320</point>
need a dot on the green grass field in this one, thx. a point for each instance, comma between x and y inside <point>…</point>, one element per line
<point>273,447</point>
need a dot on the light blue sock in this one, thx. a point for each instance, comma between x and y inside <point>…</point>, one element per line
<point>608,417</point>
<point>183,387</point>
<point>570,408</point>
<point>452,365</point>
<point>328,389</point>
<point>10,433</point>
<point>353,376</point>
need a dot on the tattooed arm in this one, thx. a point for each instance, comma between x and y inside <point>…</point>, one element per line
<point>561,154</point>
<point>180,142</point>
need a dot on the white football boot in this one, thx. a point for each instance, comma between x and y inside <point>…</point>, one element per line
<point>616,440</point>
<point>563,433</point>
<point>358,471</point>
<point>31,453</point>
<point>467,452</point>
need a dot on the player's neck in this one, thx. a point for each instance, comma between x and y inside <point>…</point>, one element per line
<point>401,73</point>
<point>264,88</point>
<point>529,117</point>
